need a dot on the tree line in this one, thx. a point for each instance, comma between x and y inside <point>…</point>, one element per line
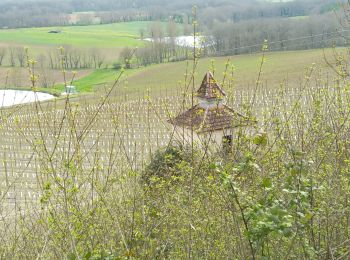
<point>74,58</point>
<point>282,33</point>
<point>225,38</point>
<point>232,38</point>
<point>28,13</point>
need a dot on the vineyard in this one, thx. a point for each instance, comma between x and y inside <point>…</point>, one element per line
<point>128,129</point>
<point>73,173</point>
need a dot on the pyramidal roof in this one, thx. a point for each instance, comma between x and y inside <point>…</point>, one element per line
<point>211,117</point>
<point>210,89</point>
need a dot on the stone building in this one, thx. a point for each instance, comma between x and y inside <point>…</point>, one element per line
<point>211,120</point>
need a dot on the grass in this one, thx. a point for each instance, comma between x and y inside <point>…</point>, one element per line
<point>160,78</point>
<point>89,83</point>
<point>98,78</point>
<point>110,39</point>
<point>98,36</point>
<point>18,78</point>
<point>279,66</point>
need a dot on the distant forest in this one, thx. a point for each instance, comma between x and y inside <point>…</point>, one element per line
<point>35,13</point>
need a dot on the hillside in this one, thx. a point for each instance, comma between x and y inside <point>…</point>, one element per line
<point>167,79</point>
<point>150,143</point>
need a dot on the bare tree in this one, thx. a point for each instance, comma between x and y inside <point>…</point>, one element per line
<point>41,61</point>
<point>76,58</point>
<point>142,33</point>
<point>172,33</point>
<point>157,34</point>
<point>47,78</point>
<point>85,18</point>
<point>2,55</point>
<point>21,56</point>
<point>97,57</point>
<point>187,27</point>
<point>12,57</point>
<point>126,56</point>
<point>51,59</point>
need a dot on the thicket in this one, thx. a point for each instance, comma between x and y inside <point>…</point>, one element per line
<point>319,31</point>
<point>280,194</point>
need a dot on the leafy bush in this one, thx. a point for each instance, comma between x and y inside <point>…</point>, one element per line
<point>166,164</point>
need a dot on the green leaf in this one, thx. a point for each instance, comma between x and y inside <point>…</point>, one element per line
<point>88,255</point>
<point>267,183</point>
<point>72,256</point>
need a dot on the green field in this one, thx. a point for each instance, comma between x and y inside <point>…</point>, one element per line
<point>159,79</point>
<point>111,38</point>
<point>99,36</point>
<point>97,79</point>
<point>279,67</point>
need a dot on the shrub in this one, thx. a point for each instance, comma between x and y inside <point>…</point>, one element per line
<point>165,164</point>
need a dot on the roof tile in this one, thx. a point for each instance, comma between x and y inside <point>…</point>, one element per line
<point>210,89</point>
<point>210,119</point>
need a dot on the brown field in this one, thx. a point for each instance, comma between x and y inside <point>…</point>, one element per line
<point>19,77</point>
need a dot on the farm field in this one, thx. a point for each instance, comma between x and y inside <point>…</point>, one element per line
<point>169,77</point>
<point>133,125</point>
<point>99,36</point>
<point>136,140</point>
<point>279,66</point>
<point>168,80</point>
<point>160,79</point>
<point>164,79</point>
<point>18,78</point>
<point>130,130</point>
<point>109,39</point>
<point>115,137</point>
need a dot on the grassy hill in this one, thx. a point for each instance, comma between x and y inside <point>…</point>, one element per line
<point>101,179</point>
<point>99,36</point>
<point>161,78</point>
<point>111,38</point>
<point>108,38</point>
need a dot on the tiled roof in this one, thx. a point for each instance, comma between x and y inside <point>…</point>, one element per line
<point>211,114</point>
<point>210,119</point>
<point>209,88</point>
